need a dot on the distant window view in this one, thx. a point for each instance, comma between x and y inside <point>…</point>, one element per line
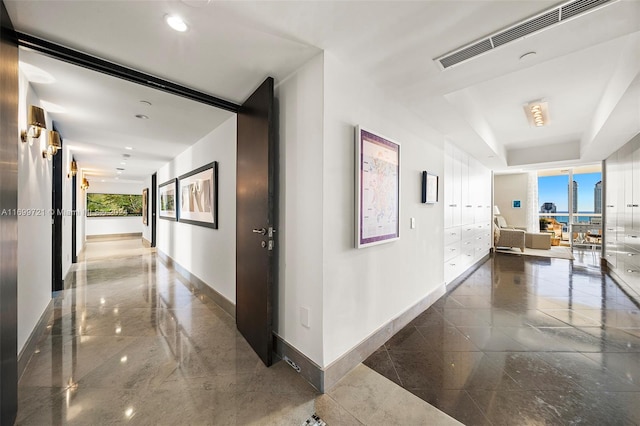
<point>586,205</point>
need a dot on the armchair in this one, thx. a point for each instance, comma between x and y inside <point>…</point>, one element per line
<point>508,236</point>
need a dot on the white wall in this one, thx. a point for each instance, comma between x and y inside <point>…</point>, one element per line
<point>300,233</point>
<point>209,254</point>
<point>365,289</point>
<point>112,225</point>
<point>34,231</point>
<point>506,189</point>
<point>146,229</point>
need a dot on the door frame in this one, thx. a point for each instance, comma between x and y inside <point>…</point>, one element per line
<point>57,280</point>
<point>154,191</point>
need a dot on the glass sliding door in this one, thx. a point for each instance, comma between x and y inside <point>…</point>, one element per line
<point>572,196</point>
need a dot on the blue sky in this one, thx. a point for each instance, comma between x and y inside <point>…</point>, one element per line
<point>554,189</point>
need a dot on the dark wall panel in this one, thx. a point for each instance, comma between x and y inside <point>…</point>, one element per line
<point>8,220</point>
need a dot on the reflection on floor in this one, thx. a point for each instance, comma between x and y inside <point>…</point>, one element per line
<point>525,340</point>
<point>128,342</point>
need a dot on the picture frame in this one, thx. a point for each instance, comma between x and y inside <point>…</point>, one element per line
<point>167,197</point>
<point>517,204</point>
<point>199,196</point>
<point>429,188</point>
<point>377,189</point>
<point>145,206</point>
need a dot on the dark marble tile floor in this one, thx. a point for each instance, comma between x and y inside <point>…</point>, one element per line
<point>524,340</point>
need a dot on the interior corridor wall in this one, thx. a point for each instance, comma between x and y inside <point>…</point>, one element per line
<point>364,289</point>
<point>209,254</point>
<point>34,222</point>
<point>300,105</point>
<point>507,188</point>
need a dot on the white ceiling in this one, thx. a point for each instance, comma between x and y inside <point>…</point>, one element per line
<point>585,67</point>
<point>96,115</point>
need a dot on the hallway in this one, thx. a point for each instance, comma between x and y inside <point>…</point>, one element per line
<point>524,340</point>
<point>129,342</point>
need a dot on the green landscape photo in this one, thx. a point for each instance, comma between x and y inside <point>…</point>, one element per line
<point>99,205</point>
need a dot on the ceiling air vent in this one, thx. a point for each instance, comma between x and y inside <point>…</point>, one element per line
<point>466,53</point>
<point>579,6</point>
<point>526,28</point>
<point>532,25</point>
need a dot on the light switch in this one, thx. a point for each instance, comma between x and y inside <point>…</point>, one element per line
<point>413,223</point>
<point>304,317</point>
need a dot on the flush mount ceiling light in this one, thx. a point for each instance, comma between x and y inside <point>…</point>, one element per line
<point>537,113</point>
<point>142,116</point>
<point>176,23</point>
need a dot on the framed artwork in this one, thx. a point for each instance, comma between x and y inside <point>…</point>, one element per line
<point>429,188</point>
<point>377,189</point>
<point>111,205</point>
<point>145,206</point>
<point>516,204</point>
<point>167,194</point>
<point>199,196</point>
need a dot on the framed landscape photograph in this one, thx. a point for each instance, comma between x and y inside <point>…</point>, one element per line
<point>145,206</point>
<point>167,193</point>
<point>429,188</point>
<point>377,189</point>
<point>113,205</point>
<point>199,196</point>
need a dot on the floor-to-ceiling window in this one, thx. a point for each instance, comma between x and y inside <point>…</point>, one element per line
<point>571,195</point>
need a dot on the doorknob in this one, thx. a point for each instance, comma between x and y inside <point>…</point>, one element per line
<point>260,231</point>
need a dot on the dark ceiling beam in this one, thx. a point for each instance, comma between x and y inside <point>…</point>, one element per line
<point>101,65</point>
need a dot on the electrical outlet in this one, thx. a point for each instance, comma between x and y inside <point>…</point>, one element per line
<point>304,317</point>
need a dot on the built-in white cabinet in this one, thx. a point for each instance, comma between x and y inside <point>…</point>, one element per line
<point>622,214</point>
<point>467,212</point>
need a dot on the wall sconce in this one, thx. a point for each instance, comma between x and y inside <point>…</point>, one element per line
<point>35,124</point>
<point>53,145</point>
<point>85,183</point>
<point>73,169</point>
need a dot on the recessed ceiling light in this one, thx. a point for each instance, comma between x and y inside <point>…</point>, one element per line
<point>119,172</point>
<point>527,56</point>
<point>128,148</point>
<point>102,180</point>
<point>147,103</point>
<point>196,3</point>
<point>176,23</point>
<point>142,116</point>
<point>119,168</point>
<point>124,163</point>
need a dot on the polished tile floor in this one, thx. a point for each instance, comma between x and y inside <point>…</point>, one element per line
<point>524,340</point>
<point>129,342</point>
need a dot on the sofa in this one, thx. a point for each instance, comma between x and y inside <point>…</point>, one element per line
<point>508,236</point>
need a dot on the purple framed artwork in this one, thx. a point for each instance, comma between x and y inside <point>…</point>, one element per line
<point>377,189</point>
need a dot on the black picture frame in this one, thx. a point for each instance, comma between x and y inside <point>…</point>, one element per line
<point>198,201</point>
<point>430,183</point>
<point>164,194</point>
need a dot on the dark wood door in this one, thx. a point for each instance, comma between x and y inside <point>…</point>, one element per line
<point>255,195</point>
<point>154,191</point>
